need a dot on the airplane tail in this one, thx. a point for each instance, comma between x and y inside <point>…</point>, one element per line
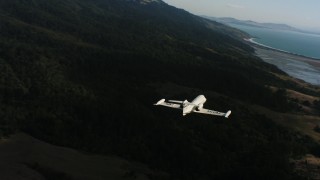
<point>227,114</point>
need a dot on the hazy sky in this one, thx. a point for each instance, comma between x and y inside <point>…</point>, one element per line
<point>298,13</point>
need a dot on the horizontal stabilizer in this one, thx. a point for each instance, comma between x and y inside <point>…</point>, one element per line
<point>172,105</point>
<point>160,102</point>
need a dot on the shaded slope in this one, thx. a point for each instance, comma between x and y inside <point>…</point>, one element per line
<point>81,74</point>
<point>24,157</point>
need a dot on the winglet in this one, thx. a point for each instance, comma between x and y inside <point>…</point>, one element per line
<point>227,114</point>
<point>160,102</point>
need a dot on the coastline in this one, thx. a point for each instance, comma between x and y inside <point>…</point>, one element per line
<point>295,65</point>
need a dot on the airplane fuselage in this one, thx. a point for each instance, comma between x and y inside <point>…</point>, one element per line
<point>196,103</point>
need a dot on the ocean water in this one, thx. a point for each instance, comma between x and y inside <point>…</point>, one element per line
<point>294,42</point>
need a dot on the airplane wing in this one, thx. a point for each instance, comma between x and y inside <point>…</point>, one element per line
<point>212,112</point>
<point>172,105</point>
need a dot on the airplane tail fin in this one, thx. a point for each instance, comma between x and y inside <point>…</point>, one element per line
<point>227,114</point>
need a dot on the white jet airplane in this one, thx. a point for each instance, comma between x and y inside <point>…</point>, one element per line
<point>195,106</point>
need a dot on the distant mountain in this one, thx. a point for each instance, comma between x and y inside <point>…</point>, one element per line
<point>228,20</point>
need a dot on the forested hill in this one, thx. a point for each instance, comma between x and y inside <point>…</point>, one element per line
<point>85,73</point>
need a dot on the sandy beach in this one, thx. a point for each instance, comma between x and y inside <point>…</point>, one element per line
<point>301,67</point>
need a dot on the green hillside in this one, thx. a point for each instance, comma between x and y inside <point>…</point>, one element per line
<point>85,73</point>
